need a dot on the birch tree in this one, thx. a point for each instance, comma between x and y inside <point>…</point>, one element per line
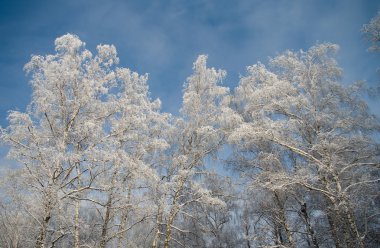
<point>86,118</point>
<point>200,133</point>
<point>299,106</point>
<point>102,166</point>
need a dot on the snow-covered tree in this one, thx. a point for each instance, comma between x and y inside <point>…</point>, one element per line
<point>87,135</point>
<point>206,118</point>
<point>100,166</point>
<point>308,130</point>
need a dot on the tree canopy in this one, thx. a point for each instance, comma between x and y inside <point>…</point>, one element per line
<point>103,166</point>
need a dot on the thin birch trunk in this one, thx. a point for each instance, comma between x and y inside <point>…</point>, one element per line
<point>157,238</point>
<point>42,236</point>
<point>310,229</point>
<point>77,209</point>
<point>283,220</point>
<point>76,224</point>
<point>41,240</point>
<point>124,219</point>
<point>103,237</point>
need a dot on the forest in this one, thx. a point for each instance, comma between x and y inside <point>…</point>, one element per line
<point>288,158</point>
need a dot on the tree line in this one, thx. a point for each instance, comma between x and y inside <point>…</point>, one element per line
<point>99,165</point>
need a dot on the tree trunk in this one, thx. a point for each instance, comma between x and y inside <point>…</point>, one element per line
<point>107,217</point>
<point>103,237</point>
<point>157,238</point>
<point>332,213</point>
<point>279,241</point>
<point>310,229</point>
<point>77,208</point>
<point>333,222</point>
<point>168,234</point>
<point>289,234</point>
<point>247,227</point>
<point>48,205</point>
<point>76,224</point>
<point>42,236</point>
<point>355,235</point>
<point>173,213</point>
<point>124,219</point>
<point>282,217</point>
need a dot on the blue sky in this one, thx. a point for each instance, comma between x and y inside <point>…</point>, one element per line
<point>163,38</point>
